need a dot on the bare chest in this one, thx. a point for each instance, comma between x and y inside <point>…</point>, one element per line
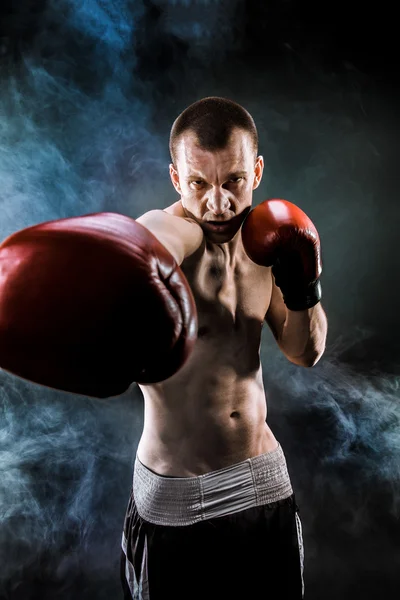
<point>226,293</point>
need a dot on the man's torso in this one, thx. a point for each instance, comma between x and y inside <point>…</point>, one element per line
<point>212,413</point>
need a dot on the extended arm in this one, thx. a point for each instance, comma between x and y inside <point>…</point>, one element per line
<point>182,237</point>
<point>91,304</point>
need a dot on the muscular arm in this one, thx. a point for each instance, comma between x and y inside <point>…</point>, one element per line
<point>301,335</point>
<point>179,235</point>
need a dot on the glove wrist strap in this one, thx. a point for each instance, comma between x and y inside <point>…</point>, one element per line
<point>307,298</point>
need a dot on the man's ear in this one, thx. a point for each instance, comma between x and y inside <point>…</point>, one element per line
<point>174,178</point>
<point>258,171</point>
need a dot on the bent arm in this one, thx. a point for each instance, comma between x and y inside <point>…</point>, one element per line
<point>180,236</point>
<point>300,335</point>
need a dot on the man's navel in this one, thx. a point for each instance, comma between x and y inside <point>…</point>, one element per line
<point>235,414</point>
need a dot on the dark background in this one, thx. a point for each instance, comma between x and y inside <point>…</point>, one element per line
<point>88,92</point>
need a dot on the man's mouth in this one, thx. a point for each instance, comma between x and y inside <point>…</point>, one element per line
<point>230,226</point>
<point>218,226</point>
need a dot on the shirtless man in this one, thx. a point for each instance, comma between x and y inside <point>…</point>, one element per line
<point>184,535</point>
<point>176,301</point>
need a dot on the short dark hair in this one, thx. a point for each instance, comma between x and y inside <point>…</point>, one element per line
<point>212,120</point>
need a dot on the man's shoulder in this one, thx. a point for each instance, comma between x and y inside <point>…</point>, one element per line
<point>177,210</point>
<point>182,236</point>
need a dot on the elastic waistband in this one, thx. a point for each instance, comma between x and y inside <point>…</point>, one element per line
<point>187,500</point>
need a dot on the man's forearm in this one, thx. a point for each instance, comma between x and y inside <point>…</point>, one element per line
<point>303,335</point>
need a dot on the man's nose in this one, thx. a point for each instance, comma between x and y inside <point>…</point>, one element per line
<point>217,202</point>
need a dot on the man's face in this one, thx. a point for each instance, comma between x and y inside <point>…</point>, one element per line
<point>216,188</point>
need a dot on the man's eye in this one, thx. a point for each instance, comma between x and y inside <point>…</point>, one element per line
<point>235,179</point>
<point>198,182</point>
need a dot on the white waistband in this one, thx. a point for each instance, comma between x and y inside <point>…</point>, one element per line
<point>186,500</point>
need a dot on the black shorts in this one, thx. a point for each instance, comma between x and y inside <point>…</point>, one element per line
<point>250,554</point>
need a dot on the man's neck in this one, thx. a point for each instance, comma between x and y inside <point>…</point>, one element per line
<point>232,250</point>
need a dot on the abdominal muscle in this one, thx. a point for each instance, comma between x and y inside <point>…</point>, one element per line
<point>212,413</point>
<point>204,418</point>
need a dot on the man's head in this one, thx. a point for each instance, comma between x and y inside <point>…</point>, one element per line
<point>215,167</point>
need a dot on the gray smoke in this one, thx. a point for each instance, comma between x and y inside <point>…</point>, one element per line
<point>80,132</point>
<point>86,103</point>
<point>340,427</point>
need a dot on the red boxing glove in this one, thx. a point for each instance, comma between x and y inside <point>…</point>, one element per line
<point>278,233</point>
<point>91,304</point>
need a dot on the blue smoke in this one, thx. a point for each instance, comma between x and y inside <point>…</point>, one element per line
<point>74,135</point>
<point>84,117</point>
<point>340,427</point>
<point>80,107</point>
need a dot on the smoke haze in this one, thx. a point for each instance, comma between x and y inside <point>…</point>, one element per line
<point>88,92</point>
